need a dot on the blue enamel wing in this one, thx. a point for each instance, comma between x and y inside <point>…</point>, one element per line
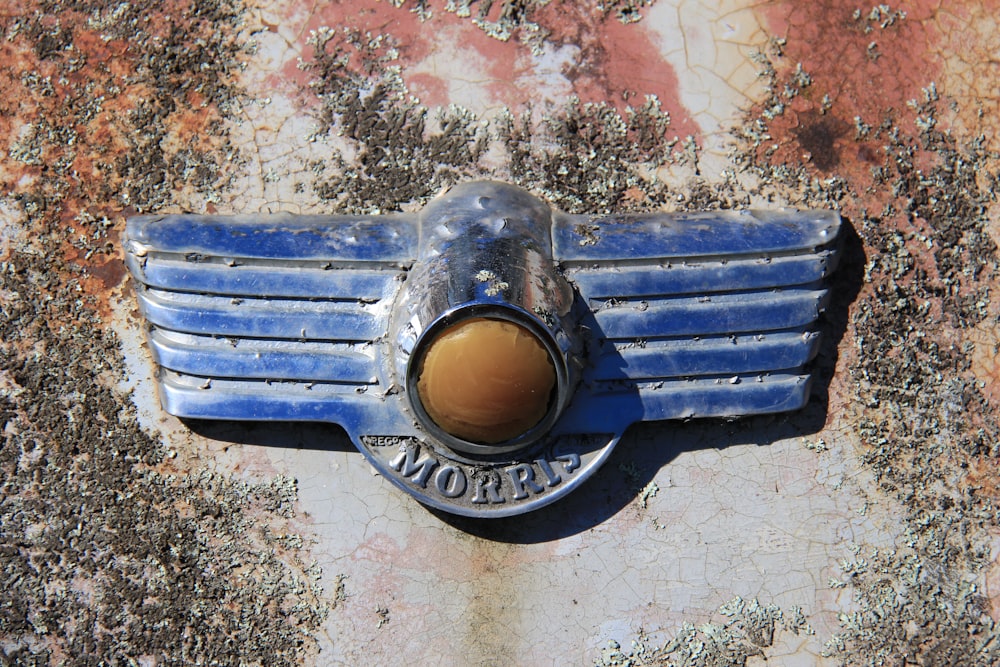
<point>332,319</point>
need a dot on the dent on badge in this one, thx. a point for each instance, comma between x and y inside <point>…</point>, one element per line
<point>487,353</point>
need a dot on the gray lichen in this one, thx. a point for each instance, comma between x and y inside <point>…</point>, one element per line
<point>507,18</point>
<point>107,553</point>
<point>925,427</point>
<point>744,631</point>
<point>96,528</point>
<point>402,157</point>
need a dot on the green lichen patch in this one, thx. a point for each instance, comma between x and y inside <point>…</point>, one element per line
<point>744,631</point>
<point>402,156</point>
<point>109,555</point>
<point>919,198</point>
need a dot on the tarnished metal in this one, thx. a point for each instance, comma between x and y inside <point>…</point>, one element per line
<point>486,251</point>
<point>327,318</point>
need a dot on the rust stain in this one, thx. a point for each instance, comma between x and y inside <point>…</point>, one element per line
<point>873,73</point>
<point>985,358</point>
<point>822,138</point>
<point>619,64</point>
<point>848,57</point>
<point>78,86</point>
<point>485,584</point>
<point>832,43</point>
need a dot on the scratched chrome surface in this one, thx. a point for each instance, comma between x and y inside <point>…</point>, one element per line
<point>861,530</point>
<point>325,319</point>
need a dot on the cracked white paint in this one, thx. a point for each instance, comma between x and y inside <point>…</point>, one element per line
<point>759,521</point>
<point>709,47</point>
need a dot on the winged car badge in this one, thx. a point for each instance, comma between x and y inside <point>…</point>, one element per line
<point>486,354</point>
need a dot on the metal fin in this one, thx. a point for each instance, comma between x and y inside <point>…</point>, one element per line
<point>281,237</point>
<point>677,237</point>
<point>271,317</point>
<point>359,412</point>
<point>695,315</point>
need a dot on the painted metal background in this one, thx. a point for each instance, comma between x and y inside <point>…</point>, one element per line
<point>863,529</point>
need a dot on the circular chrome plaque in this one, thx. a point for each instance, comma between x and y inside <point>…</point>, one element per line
<point>516,484</point>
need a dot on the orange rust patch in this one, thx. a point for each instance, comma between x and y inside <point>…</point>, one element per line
<point>66,120</point>
<point>986,358</point>
<point>848,58</point>
<point>617,64</point>
<point>833,46</point>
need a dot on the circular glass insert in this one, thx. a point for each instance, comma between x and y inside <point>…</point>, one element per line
<point>486,380</point>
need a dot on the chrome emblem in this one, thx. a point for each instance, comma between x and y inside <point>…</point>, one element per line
<point>487,353</point>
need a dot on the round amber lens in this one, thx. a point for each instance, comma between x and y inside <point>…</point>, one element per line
<point>486,380</point>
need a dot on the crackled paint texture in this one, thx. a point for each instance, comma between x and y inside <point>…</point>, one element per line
<point>862,530</point>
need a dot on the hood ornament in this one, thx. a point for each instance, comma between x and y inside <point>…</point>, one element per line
<point>486,354</point>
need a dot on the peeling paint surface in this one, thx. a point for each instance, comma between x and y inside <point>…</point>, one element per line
<point>862,530</point>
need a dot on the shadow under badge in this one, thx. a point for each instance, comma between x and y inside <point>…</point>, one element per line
<point>485,354</point>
